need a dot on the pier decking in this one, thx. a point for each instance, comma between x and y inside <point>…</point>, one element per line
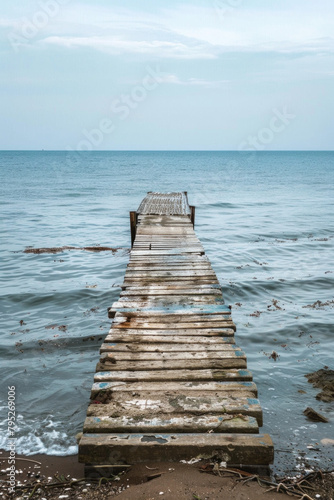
<point>171,383</point>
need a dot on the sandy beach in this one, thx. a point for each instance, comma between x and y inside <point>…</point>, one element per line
<point>52,477</point>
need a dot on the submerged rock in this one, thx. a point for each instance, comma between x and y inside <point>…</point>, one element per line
<point>323,379</point>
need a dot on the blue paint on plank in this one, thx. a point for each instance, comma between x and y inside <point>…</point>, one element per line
<point>253,401</point>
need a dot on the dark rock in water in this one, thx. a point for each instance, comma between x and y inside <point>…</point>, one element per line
<point>314,415</point>
<point>324,379</point>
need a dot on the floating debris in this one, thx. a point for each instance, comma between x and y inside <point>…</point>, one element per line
<point>318,304</point>
<point>314,415</point>
<point>92,310</point>
<point>61,328</point>
<point>275,304</point>
<point>274,356</point>
<point>62,249</point>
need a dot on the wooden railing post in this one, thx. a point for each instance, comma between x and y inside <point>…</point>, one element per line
<point>133,226</point>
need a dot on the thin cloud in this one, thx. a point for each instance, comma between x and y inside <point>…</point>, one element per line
<point>173,79</point>
<point>185,32</point>
<point>112,45</point>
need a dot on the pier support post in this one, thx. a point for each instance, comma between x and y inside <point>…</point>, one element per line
<point>192,214</point>
<point>133,226</point>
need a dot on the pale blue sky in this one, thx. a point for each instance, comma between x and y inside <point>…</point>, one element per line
<point>227,74</point>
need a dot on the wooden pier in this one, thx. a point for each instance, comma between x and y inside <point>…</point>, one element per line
<point>171,383</point>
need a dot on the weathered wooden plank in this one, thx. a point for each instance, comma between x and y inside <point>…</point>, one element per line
<point>158,321</point>
<point>152,244</point>
<point>163,268</point>
<point>174,317</point>
<point>167,281</point>
<point>174,386</point>
<point>167,348</point>
<point>156,338</point>
<point>234,449</point>
<point>165,250</point>
<point>182,423</point>
<point>134,323</point>
<point>165,229</point>
<point>176,242</point>
<point>184,312</point>
<point>175,251</point>
<point>159,291</point>
<point>174,265</point>
<point>161,227</point>
<point>192,403</point>
<point>198,333</point>
<point>155,217</point>
<point>111,363</point>
<point>166,302</point>
<point>167,287</point>
<point>187,356</point>
<point>165,224</point>
<point>165,241</point>
<point>170,281</point>
<point>160,358</point>
<point>167,260</point>
<point>195,245</point>
<point>152,265</point>
<point>172,259</point>
<point>180,375</point>
<point>167,270</point>
<point>175,223</point>
<point>213,309</point>
<point>166,274</point>
<point>170,247</point>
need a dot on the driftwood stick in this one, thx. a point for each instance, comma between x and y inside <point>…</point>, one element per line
<point>25,459</point>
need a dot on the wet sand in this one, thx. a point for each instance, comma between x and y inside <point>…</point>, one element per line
<point>151,481</point>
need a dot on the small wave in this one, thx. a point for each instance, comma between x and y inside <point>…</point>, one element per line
<point>47,346</point>
<point>41,437</point>
<point>60,298</point>
<point>219,204</point>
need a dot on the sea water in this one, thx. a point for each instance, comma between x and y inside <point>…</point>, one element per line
<point>266,222</point>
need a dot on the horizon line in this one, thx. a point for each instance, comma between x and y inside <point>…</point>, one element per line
<point>166,151</point>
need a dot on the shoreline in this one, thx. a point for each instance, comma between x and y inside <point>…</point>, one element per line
<point>53,477</point>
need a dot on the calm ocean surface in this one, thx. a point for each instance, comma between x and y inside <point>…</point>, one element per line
<point>266,222</point>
